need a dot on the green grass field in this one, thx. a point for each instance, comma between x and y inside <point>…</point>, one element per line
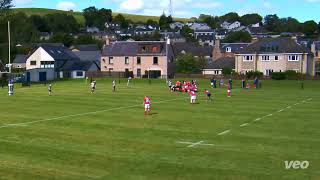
<point>77,135</point>
<point>79,17</point>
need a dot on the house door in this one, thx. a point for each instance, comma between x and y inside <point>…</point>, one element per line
<point>42,76</point>
<point>28,76</point>
<point>139,73</point>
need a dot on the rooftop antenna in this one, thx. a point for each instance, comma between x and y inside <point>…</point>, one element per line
<point>170,8</point>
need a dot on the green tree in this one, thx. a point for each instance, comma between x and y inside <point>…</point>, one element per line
<point>64,38</point>
<point>187,63</point>
<point>120,19</point>
<point>163,22</point>
<point>238,36</point>
<point>230,17</point>
<point>289,25</point>
<point>61,23</point>
<point>212,21</point>
<point>249,19</point>
<point>187,32</point>
<point>226,71</point>
<point>272,23</point>
<point>202,62</point>
<point>39,23</point>
<point>90,15</point>
<point>5,6</point>
<point>310,28</point>
<point>152,23</point>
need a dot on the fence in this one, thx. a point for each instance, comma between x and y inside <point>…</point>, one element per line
<point>109,74</point>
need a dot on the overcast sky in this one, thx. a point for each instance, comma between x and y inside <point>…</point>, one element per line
<point>301,9</point>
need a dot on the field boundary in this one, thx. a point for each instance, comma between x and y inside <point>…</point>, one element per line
<point>82,114</point>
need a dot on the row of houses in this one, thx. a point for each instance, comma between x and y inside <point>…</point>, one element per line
<point>156,58</point>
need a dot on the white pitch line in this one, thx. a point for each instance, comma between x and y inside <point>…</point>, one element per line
<point>289,107</point>
<point>195,144</point>
<point>269,115</point>
<point>309,99</point>
<point>258,119</point>
<point>81,114</point>
<point>245,124</point>
<point>281,110</point>
<point>224,132</point>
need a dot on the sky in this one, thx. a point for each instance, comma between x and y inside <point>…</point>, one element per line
<point>302,10</point>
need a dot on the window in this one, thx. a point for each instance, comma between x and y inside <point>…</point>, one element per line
<point>155,60</point>
<point>33,63</point>
<point>154,49</point>
<point>79,73</point>
<point>276,58</point>
<point>265,58</point>
<point>126,60</point>
<point>268,72</point>
<point>110,69</point>
<point>247,58</point>
<point>228,49</point>
<point>104,60</point>
<point>110,60</point>
<point>47,64</point>
<point>293,58</point>
<point>138,60</point>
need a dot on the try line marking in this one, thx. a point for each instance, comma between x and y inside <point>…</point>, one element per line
<point>81,114</point>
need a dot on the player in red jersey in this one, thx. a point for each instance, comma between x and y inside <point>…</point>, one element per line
<point>147,104</point>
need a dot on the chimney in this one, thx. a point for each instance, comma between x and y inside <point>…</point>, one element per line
<point>313,48</point>
<point>107,41</point>
<point>254,40</point>
<point>216,52</point>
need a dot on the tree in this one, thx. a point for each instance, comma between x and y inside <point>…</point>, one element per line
<point>289,25</point>
<point>64,38</point>
<point>226,71</point>
<point>187,63</point>
<point>90,15</point>
<point>187,32</point>
<point>272,23</point>
<point>120,19</point>
<point>202,62</point>
<point>230,17</point>
<point>152,23</point>
<point>163,22</point>
<point>61,23</point>
<point>5,4</point>
<point>212,21</point>
<point>39,23</point>
<point>238,36</point>
<point>309,28</point>
<point>249,19</point>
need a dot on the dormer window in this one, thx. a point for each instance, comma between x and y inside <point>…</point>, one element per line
<point>228,49</point>
<point>144,49</point>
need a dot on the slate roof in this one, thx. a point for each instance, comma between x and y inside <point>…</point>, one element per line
<point>206,37</point>
<point>87,47</point>
<point>59,53</point>
<point>192,48</point>
<point>20,58</point>
<point>77,65</point>
<point>130,48</point>
<point>222,63</point>
<point>235,47</point>
<point>274,45</point>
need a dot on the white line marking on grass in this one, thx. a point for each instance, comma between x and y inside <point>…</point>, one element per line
<point>269,115</point>
<point>296,104</point>
<point>82,114</point>
<point>258,119</point>
<point>192,144</point>
<point>224,132</point>
<point>245,124</point>
<point>281,110</point>
<point>289,107</point>
<point>309,99</point>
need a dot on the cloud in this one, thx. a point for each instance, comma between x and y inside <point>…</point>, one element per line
<point>312,1</point>
<point>66,5</point>
<point>180,8</point>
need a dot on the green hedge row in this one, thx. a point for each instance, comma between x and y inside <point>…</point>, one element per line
<point>290,75</point>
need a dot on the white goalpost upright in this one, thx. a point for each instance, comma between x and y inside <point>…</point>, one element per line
<point>8,66</point>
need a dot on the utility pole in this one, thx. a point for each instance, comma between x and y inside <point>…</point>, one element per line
<point>170,8</point>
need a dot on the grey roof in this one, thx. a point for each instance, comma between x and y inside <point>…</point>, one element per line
<point>274,45</point>
<point>59,52</point>
<point>225,62</point>
<point>235,47</point>
<point>204,30</point>
<point>20,58</point>
<point>130,48</point>
<point>88,55</point>
<point>206,37</point>
<point>77,65</point>
<point>87,47</point>
<point>192,48</point>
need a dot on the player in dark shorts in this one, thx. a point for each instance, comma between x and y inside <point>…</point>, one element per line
<point>50,89</point>
<point>208,95</point>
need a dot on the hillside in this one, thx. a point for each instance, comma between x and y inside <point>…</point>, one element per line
<point>79,17</point>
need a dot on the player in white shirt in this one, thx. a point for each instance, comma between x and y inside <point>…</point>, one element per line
<point>114,85</point>
<point>93,86</point>
<point>50,89</point>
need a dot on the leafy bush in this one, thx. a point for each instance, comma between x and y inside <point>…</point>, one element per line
<point>226,71</point>
<point>279,76</point>
<point>253,74</point>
